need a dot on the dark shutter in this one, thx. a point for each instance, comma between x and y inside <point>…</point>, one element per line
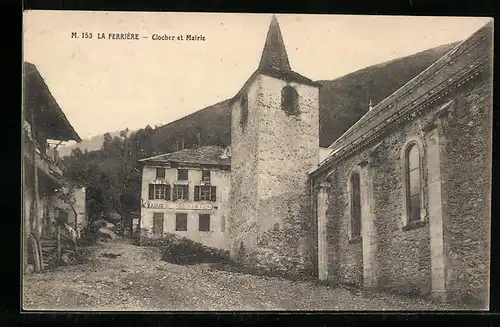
<point>213,193</point>
<point>197,193</point>
<point>174,194</point>
<point>151,191</point>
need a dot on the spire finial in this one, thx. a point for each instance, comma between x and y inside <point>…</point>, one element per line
<point>274,55</point>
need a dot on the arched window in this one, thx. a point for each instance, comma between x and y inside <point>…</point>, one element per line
<point>290,100</point>
<point>244,110</point>
<point>355,205</point>
<point>413,180</point>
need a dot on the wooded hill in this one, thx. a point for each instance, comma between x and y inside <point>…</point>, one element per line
<point>112,176</point>
<point>342,102</point>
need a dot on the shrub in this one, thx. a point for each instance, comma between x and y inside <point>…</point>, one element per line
<point>183,251</point>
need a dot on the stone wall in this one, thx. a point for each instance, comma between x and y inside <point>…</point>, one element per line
<point>280,149</point>
<point>468,134</point>
<point>426,257</point>
<point>402,256</point>
<point>244,205</point>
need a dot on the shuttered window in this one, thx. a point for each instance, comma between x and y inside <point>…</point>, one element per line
<point>205,193</point>
<point>181,192</point>
<point>159,192</point>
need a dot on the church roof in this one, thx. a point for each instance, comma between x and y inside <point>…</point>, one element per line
<point>459,65</point>
<point>207,155</point>
<point>274,61</point>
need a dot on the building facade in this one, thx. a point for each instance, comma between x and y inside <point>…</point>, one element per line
<point>187,193</point>
<point>403,200</point>
<point>44,127</point>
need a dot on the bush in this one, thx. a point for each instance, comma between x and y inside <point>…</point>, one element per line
<point>183,251</point>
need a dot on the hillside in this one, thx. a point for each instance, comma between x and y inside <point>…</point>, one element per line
<point>342,102</point>
<point>91,144</point>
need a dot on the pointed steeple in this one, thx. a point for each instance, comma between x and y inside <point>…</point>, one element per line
<point>274,54</point>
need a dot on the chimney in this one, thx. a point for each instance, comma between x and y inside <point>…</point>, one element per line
<point>370,106</point>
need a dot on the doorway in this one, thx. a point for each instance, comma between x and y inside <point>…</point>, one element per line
<point>158,218</point>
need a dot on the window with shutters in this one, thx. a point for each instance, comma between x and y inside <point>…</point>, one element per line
<point>204,223</point>
<point>182,174</point>
<point>355,198</point>
<point>160,173</point>
<point>181,222</point>
<point>181,192</point>
<point>159,192</point>
<point>205,193</point>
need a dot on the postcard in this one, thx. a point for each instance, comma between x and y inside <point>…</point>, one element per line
<point>256,162</point>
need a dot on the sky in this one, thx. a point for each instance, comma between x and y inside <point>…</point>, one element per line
<point>106,85</point>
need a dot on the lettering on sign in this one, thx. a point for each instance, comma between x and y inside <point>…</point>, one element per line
<point>177,205</point>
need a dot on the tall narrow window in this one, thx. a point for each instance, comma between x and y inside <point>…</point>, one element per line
<point>355,206</point>
<point>413,193</point>
<point>244,110</point>
<point>290,100</point>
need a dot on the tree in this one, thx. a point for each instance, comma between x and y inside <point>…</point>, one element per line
<point>110,175</point>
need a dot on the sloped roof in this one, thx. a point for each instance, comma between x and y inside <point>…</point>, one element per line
<point>274,61</point>
<point>274,53</point>
<point>456,67</point>
<point>207,155</point>
<point>48,114</point>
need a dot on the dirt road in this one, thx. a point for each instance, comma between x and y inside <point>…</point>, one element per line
<point>134,278</point>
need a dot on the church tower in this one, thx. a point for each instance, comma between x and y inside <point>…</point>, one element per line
<point>275,142</point>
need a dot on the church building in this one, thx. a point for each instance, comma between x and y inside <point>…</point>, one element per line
<point>401,200</point>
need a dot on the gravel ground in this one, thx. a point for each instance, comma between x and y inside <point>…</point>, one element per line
<point>138,280</point>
